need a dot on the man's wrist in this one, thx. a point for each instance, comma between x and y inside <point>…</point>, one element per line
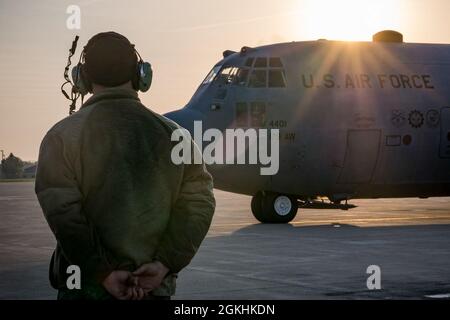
<point>162,267</point>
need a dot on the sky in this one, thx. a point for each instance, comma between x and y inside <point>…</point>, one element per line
<point>182,40</point>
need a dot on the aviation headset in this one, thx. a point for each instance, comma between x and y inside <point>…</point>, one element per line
<point>81,84</point>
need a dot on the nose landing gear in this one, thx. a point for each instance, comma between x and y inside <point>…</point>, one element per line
<point>270,207</point>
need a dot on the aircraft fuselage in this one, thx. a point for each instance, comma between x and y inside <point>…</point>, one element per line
<point>356,119</point>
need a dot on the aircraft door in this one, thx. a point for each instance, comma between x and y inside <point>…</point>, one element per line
<point>444,146</point>
<point>361,156</point>
<point>249,109</point>
<point>221,113</point>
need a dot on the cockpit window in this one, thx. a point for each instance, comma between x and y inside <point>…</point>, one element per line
<point>241,77</point>
<point>261,63</point>
<point>275,62</point>
<point>211,75</point>
<point>276,79</point>
<point>257,79</point>
<point>257,72</point>
<point>228,75</point>
<point>266,76</point>
<point>232,75</point>
<point>224,75</point>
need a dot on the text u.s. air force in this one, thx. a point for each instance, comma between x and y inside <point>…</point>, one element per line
<point>366,81</point>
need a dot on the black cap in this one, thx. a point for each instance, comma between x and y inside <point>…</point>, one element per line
<point>110,59</point>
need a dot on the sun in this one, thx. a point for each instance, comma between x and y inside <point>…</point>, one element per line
<point>346,19</point>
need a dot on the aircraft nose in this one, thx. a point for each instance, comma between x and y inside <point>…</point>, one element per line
<point>185,118</point>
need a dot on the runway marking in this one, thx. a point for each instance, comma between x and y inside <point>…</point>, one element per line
<point>338,221</point>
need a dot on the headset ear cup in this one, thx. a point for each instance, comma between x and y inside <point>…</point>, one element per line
<point>145,76</point>
<point>80,81</point>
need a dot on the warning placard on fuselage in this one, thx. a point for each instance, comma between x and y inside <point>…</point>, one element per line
<point>367,81</point>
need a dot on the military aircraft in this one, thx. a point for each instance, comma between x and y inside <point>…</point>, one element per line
<point>355,120</point>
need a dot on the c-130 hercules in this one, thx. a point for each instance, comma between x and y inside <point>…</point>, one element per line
<point>356,120</point>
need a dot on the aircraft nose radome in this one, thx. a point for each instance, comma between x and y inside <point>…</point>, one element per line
<point>185,118</point>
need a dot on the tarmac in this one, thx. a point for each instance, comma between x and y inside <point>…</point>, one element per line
<point>322,254</point>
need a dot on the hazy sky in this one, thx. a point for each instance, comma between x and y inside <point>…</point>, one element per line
<point>182,39</point>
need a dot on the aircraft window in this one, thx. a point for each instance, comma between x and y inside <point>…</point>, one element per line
<point>223,74</point>
<point>241,77</point>
<point>275,62</point>
<point>261,63</point>
<point>249,62</point>
<point>211,75</point>
<point>276,79</point>
<point>257,79</point>
<point>227,75</point>
<point>233,74</point>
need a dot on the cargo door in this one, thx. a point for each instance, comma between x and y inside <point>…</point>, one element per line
<point>361,156</point>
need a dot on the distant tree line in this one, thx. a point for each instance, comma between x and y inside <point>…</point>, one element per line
<point>13,168</point>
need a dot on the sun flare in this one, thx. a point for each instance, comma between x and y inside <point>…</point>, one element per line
<point>347,19</point>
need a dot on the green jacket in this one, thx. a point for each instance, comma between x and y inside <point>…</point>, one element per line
<point>112,196</point>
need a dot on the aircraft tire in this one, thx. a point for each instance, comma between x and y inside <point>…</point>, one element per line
<point>256,206</point>
<point>273,207</point>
